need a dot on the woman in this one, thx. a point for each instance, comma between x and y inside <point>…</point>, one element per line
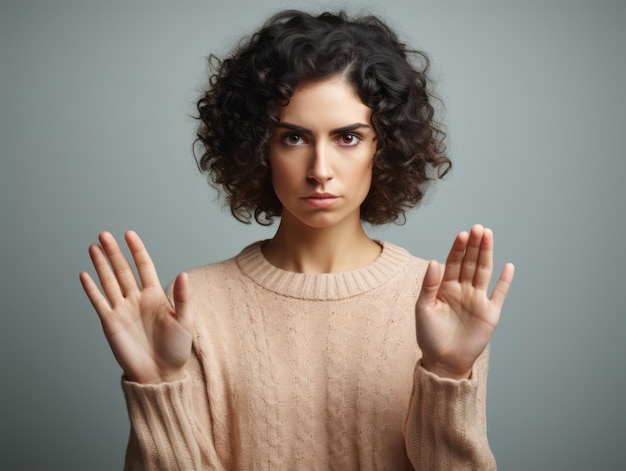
<point>319,348</point>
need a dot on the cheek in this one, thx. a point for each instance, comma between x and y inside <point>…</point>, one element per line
<point>368,167</point>
<point>368,175</point>
<point>275,175</point>
<point>282,174</point>
<point>361,178</point>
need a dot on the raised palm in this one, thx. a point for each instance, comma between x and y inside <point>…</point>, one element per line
<point>455,315</point>
<point>150,339</point>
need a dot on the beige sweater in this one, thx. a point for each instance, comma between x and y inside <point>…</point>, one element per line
<point>308,372</point>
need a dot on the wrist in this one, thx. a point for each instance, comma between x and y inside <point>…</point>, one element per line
<point>162,377</point>
<point>445,371</point>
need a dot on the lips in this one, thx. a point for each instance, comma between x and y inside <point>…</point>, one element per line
<point>321,200</point>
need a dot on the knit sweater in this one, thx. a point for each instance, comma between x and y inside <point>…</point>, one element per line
<point>295,371</point>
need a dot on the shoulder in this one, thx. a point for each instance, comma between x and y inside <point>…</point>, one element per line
<point>408,272</point>
<point>223,267</point>
<point>215,275</point>
<point>402,259</point>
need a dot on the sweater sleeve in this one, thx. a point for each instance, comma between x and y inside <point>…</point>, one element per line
<point>170,424</point>
<point>445,427</point>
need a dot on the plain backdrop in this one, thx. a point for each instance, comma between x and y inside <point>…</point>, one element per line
<point>96,133</point>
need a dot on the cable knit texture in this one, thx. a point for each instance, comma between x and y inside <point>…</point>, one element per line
<point>308,372</point>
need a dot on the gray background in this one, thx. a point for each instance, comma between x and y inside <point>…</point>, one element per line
<point>95,134</point>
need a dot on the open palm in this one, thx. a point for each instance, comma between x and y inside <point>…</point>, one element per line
<point>150,339</point>
<point>455,315</point>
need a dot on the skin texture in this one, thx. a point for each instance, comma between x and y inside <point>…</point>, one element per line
<point>325,158</point>
<point>323,145</point>
<point>150,339</point>
<point>455,315</point>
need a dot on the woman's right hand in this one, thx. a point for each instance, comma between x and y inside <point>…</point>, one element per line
<point>151,340</point>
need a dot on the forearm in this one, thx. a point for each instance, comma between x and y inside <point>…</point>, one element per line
<point>171,425</point>
<point>445,427</point>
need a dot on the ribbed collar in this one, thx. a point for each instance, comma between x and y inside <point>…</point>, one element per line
<point>321,287</point>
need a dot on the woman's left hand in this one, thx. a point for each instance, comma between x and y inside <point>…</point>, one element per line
<point>455,316</point>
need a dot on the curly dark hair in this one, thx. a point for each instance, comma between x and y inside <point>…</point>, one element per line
<point>240,108</point>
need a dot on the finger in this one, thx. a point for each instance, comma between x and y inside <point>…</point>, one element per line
<point>108,281</point>
<point>145,266</point>
<point>470,259</point>
<point>455,257</point>
<point>98,301</point>
<point>122,269</point>
<point>182,294</point>
<point>431,283</point>
<point>503,285</point>
<point>484,268</point>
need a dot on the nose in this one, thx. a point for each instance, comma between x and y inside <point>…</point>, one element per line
<point>320,169</point>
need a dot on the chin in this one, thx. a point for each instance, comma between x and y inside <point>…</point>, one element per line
<point>326,219</point>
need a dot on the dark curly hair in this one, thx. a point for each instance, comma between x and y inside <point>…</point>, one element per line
<point>246,90</point>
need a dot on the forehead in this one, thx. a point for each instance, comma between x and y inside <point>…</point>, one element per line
<point>330,102</point>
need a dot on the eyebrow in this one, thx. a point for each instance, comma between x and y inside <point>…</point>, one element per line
<point>341,130</point>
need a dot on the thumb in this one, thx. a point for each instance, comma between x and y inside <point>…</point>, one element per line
<point>504,283</point>
<point>182,294</point>
<point>430,285</point>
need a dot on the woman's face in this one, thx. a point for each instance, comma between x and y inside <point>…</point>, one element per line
<point>321,154</point>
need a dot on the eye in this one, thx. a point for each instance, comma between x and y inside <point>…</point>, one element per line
<point>349,139</point>
<point>293,139</point>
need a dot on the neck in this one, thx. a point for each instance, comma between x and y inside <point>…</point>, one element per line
<point>303,249</point>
